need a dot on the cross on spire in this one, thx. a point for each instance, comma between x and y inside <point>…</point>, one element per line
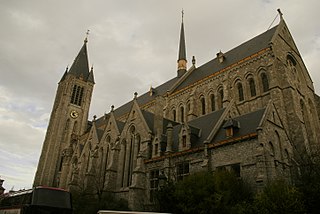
<point>87,34</point>
<point>182,14</point>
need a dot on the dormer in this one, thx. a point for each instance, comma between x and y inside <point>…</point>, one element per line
<point>221,57</point>
<point>152,91</point>
<point>231,126</point>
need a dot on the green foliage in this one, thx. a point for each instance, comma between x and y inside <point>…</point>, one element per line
<point>309,185</point>
<point>279,197</point>
<point>204,192</point>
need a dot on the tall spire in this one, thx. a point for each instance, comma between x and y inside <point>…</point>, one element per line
<point>80,66</point>
<point>182,60</point>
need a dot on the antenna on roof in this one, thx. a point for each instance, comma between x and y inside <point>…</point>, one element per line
<point>279,13</point>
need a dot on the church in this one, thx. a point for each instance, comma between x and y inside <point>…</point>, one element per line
<point>251,110</point>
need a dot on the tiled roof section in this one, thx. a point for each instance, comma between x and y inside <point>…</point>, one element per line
<point>149,118</point>
<point>64,75</point>
<point>91,77</point>
<point>244,50</point>
<point>80,66</point>
<point>202,125</point>
<point>100,134</point>
<point>102,120</point>
<point>206,123</point>
<point>120,125</point>
<point>248,125</point>
<point>145,98</point>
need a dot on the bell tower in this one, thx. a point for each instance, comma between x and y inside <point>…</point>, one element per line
<point>69,118</point>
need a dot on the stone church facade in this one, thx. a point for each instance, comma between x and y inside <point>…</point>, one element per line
<point>252,110</point>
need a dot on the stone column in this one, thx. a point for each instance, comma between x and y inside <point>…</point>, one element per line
<point>110,183</point>
<point>137,191</point>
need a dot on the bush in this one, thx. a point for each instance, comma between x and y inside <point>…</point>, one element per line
<point>221,192</point>
<point>279,197</point>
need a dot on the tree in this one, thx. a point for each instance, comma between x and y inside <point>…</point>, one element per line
<point>90,199</point>
<point>204,192</point>
<point>279,197</point>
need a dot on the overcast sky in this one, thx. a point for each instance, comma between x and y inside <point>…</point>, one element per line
<point>132,45</point>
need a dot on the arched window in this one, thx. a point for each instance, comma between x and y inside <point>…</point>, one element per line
<point>124,156</point>
<point>203,105</point>
<point>105,154</point>
<point>240,91</point>
<point>271,149</point>
<point>174,115</point>
<point>291,62</point>
<point>181,114</point>
<point>188,106</point>
<point>265,82</point>
<point>213,102</point>
<point>220,98</point>
<point>77,94</point>
<point>252,87</point>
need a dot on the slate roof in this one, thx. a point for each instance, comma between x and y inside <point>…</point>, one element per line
<point>149,118</point>
<point>80,66</point>
<point>100,134</point>
<point>244,50</point>
<point>145,98</point>
<point>205,124</point>
<point>248,125</point>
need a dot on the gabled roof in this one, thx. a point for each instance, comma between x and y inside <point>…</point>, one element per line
<point>244,50</point>
<point>206,123</point>
<point>145,98</point>
<point>248,125</point>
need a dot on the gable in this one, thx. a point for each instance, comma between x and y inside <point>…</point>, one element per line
<point>248,125</point>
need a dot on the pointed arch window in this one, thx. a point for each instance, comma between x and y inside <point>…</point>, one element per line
<point>220,99</point>
<point>124,153</point>
<point>174,115</point>
<point>188,106</point>
<point>272,152</point>
<point>291,62</point>
<point>252,87</point>
<point>240,91</point>
<point>203,105</point>
<point>213,102</point>
<point>77,95</point>
<point>265,82</point>
<point>181,114</point>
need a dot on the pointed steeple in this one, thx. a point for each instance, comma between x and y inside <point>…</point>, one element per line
<point>182,59</point>
<point>91,77</point>
<point>80,66</point>
<point>64,75</point>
